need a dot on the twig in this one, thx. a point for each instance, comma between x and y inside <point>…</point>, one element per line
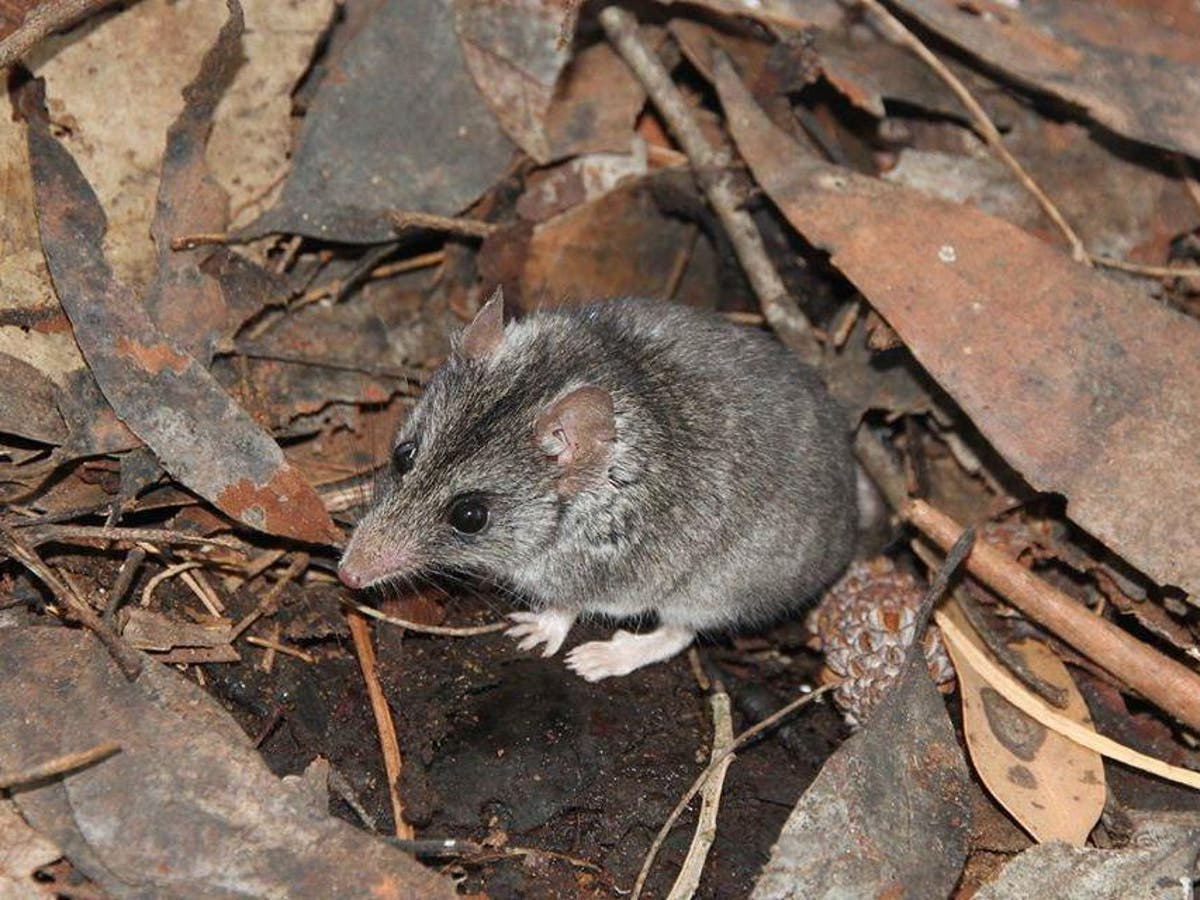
<point>360,631</point>
<point>877,461</point>
<point>126,657</point>
<point>280,647</point>
<point>125,576</point>
<point>1149,271</point>
<point>271,598</point>
<point>260,564</point>
<point>974,615</point>
<point>42,21</point>
<point>339,287</point>
<point>415,376</point>
<point>747,735</point>
<point>898,32</point>
<point>443,630</point>
<point>38,534</point>
<point>711,167</point>
<point>189,573</point>
<point>1164,682</point>
<point>471,228</point>
<point>168,573</point>
<point>710,801</point>
<point>1034,707</point>
<point>201,239</point>
<point>60,765</point>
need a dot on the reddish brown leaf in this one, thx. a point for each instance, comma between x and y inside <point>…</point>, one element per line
<point>1085,385</point>
<point>162,393</point>
<point>1133,75</point>
<point>570,257</point>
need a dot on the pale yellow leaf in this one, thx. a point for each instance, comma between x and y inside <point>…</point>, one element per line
<point>1051,785</point>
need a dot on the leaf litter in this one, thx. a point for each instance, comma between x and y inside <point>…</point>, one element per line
<point>210,327</point>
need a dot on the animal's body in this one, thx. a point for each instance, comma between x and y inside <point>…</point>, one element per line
<point>624,457</point>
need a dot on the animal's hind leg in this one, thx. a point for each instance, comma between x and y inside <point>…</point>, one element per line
<point>624,651</point>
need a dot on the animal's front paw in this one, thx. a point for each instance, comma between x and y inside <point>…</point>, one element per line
<point>548,627</point>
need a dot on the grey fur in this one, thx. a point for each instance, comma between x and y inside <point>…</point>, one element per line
<point>730,497</point>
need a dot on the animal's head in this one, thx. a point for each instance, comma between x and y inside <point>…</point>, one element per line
<point>482,468</point>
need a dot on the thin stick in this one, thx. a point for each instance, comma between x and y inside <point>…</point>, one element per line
<point>898,32</point>
<point>472,228</point>
<point>1149,271</point>
<point>442,630</point>
<point>747,735</point>
<point>260,564</point>
<point>41,534</point>
<point>688,879</point>
<point>1166,683</point>
<point>1036,708</point>
<point>60,765</point>
<point>126,657</point>
<point>167,573</point>
<point>125,576</point>
<point>42,21</point>
<point>280,647</point>
<point>360,631</point>
<point>711,167</point>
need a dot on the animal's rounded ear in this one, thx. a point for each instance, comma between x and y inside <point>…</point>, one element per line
<point>481,338</point>
<point>577,430</point>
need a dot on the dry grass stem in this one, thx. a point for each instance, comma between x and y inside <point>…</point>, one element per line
<point>747,735</point>
<point>688,879</point>
<point>441,630</point>
<point>898,32</point>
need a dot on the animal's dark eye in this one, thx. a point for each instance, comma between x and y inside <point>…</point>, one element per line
<point>469,514</point>
<point>403,456</point>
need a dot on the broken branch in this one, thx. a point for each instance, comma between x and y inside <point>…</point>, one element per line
<point>712,169</point>
<point>1166,683</point>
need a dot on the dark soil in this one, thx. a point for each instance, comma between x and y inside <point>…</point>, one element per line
<point>507,748</point>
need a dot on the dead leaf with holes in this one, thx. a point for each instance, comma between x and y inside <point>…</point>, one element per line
<point>1051,785</point>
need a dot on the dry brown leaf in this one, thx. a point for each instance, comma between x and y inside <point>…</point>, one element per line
<point>253,127</point>
<point>205,439</point>
<point>513,51</point>
<point>570,257</point>
<point>1082,383</point>
<point>117,101</point>
<point>1052,786</point>
<point>1132,73</point>
<point>22,852</point>
<point>189,807</point>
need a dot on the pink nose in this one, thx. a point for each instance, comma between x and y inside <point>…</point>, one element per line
<point>350,579</point>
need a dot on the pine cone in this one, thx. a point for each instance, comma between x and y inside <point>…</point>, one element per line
<point>864,625</point>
